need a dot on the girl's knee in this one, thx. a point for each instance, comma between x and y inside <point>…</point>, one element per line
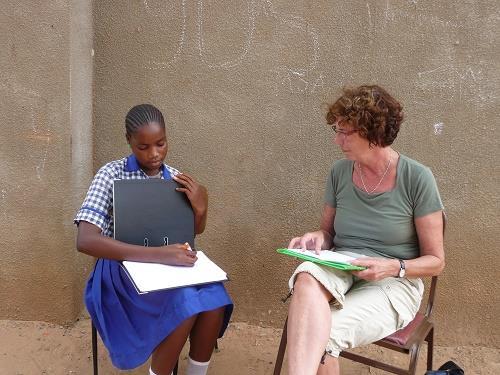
<point>217,313</point>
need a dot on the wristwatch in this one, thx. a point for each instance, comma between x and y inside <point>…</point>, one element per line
<point>402,269</point>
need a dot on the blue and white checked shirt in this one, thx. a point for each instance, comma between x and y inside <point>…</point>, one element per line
<point>97,208</point>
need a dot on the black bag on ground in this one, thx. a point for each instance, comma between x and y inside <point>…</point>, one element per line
<point>449,368</point>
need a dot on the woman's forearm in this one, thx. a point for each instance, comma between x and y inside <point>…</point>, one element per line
<point>426,265</point>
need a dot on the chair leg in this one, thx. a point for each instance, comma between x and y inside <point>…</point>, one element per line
<point>430,348</point>
<point>415,350</point>
<point>94,348</point>
<point>281,351</point>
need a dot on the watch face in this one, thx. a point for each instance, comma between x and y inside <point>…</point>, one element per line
<point>402,270</point>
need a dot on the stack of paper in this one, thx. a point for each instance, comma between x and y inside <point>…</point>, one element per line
<point>326,257</point>
<point>148,277</point>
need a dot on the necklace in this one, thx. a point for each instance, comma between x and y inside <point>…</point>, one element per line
<point>381,179</point>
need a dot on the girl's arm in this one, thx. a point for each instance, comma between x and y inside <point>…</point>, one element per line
<point>198,196</point>
<point>91,242</point>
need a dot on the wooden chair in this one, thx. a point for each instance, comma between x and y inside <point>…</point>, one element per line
<point>94,352</point>
<point>408,340</point>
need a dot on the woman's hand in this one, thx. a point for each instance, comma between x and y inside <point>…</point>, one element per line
<point>196,193</point>
<point>178,255</point>
<point>376,268</point>
<point>311,241</point>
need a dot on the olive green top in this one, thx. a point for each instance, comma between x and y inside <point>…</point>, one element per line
<point>381,224</point>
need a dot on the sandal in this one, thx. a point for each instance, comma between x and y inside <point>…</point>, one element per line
<point>449,368</point>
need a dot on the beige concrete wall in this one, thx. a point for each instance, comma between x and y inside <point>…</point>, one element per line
<point>41,276</point>
<point>242,85</point>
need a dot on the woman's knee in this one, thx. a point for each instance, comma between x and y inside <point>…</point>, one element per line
<point>307,284</point>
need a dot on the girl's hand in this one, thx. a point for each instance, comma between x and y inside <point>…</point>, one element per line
<point>376,268</point>
<point>196,193</point>
<point>178,255</point>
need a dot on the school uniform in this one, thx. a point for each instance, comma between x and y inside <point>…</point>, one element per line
<point>132,325</point>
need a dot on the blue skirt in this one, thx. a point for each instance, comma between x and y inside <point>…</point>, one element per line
<point>132,325</point>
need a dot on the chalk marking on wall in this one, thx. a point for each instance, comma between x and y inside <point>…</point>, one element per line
<point>296,79</point>
<point>369,15</point>
<point>248,38</point>
<point>40,167</point>
<point>319,83</point>
<point>3,206</point>
<point>418,18</point>
<point>182,38</point>
<point>462,83</point>
<point>298,82</point>
<point>439,68</point>
<point>301,24</point>
<point>438,128</point>
<point>387,12</point>
<point>33,97</point>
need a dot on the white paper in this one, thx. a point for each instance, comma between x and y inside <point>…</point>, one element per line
<point>328,255</point>
<point>149,277</point>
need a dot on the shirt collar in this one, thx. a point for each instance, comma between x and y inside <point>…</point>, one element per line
<point>132,165</point>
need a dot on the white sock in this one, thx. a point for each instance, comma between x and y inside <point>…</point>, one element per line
<point>196,368</point>
<point>152,373</point>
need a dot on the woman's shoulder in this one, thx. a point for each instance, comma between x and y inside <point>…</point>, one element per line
<point>414,169</point>
<point>412,164</point>
<point>341,165</point>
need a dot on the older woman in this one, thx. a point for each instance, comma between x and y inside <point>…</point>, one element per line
<point>384,209</point>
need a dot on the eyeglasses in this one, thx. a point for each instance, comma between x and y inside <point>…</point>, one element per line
<point>343,132</point>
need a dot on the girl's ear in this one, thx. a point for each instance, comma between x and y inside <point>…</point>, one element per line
<point>127,136</point>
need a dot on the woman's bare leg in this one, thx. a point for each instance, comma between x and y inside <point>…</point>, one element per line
<point>330,367</point>
<point>309,322</point>
<point>204,334</point>
<point>167,353</point>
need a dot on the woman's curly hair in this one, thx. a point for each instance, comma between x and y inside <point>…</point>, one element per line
<point>375,114</point>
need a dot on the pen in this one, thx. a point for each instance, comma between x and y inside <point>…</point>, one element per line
<point>188,247</point>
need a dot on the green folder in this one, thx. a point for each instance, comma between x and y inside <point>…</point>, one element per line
<point>339,265</point>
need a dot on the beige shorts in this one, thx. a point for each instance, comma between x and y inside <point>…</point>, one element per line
<point>364,311</point>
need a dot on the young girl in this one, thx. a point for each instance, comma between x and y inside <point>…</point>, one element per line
<point>134,326</point>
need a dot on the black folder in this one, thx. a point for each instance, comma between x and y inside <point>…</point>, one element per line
<point>150,212</point>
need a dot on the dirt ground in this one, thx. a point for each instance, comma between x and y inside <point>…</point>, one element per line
<point>33,348</point>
